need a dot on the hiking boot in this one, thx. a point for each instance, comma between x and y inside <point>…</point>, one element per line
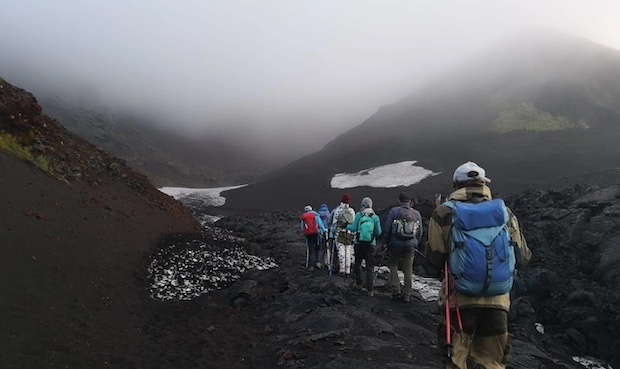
<point>371,293</point>
<point>357,286</point>
<point>406,298</point>
<point>396,296</point>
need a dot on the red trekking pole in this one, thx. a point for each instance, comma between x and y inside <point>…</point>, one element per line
<point>449,345</point>
<point>446,281</point>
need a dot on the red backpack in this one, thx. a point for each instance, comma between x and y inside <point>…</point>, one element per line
<point>310,227</point>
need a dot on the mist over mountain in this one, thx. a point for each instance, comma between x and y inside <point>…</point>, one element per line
<point>537,110</point>
<point>168,156</point>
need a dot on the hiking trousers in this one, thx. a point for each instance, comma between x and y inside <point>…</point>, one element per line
<point>314,250</point>
<point>365,251</point>
<point>485,339</point>
<point>345,256</point>
<point>406,254</point>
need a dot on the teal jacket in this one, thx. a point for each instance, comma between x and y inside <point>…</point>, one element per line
<point>377,228</point>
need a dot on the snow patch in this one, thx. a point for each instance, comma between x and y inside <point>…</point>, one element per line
<point>206,196</point>
<point>591,363</point>
<point>402,174</point>
<point>428,288</point>
<point>188,270</point>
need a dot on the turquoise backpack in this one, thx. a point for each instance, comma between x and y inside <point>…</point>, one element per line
<point>366,229</point>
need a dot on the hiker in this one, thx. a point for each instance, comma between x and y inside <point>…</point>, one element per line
<point>343,216</point>
<point>324,213</point>
<point>367,227</point>
<point>325,247</point>
<point>403,232</point>
<point>312,227</point>
<point>332,257</point>
<point>478,300</point>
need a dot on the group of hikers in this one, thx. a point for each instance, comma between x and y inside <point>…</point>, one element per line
<point>352,236</point>
<point>474,239</point>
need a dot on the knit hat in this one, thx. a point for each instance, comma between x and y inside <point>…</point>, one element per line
<point>470,171</point>
<point>307,208</point>
<point>346,198</point>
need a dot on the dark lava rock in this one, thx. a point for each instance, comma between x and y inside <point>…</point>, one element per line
<point>574,275</point>
<point>314,320</point>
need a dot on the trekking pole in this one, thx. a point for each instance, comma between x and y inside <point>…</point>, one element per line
<point>458,314</point>
<point>331,259</point>
<point>448,327</point>
<point>380,265</point>
<point>307,252</point>
<point>325,253</point>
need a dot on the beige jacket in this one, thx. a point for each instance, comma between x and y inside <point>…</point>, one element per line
<point>439,245</point>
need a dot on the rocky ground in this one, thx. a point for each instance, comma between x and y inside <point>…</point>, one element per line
<point>315,320</point>
<point>572,282</point>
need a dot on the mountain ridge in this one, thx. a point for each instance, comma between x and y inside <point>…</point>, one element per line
<point>166,156</point>
<point>526,121</point>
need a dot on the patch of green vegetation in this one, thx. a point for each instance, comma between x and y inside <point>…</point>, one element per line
<point>11,146</point>
<point>526,117</point>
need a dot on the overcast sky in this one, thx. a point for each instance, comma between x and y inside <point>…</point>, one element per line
<point>304,69</point>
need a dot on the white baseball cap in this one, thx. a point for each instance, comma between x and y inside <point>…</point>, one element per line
<point>470,171</point>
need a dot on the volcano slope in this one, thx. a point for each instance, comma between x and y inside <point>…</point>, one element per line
<point>536,111</point>
<point>78,227</point>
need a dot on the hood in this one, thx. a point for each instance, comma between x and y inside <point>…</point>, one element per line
<point>366,203</point>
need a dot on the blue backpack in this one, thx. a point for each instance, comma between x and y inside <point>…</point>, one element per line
<point>482,255</point>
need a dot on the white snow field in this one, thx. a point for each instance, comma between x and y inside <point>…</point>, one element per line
<point>400,174</point>
<point>209,196</point>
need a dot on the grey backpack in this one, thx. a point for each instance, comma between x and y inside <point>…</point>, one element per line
<point>346,216</point>
<point>406,227</point>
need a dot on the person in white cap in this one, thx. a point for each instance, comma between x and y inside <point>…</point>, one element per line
<point>479,320</point>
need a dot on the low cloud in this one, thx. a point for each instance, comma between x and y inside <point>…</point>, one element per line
<point>294,74</point>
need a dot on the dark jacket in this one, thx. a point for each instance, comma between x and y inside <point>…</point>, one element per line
<point>397,213</point>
